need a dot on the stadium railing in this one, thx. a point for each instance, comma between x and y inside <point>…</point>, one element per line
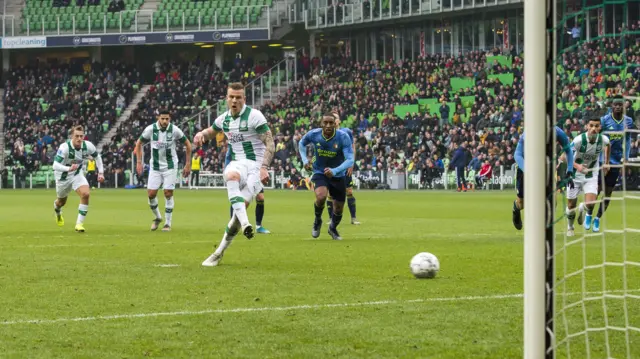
<point>273,82</point>
<point>377,10</point>
<point>236,17</point>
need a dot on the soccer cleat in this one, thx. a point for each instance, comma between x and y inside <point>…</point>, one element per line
<point>263,230</point>
<point>570,232</point>
<point>587,222</point>
<point>315,232</point>
<point>156,222</point>
<point>355,221</point>
<point>333,232</point>
<point>59,219</point>
<point>517,219</point>
<point>596,225</point>
<point>248,231</point>
<point>79,228</point>
<point>580,214</point>
<point>213,260</point>
<point>166,228</point>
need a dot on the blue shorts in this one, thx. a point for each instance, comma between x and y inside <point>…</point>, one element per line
<point>610,180</point>
<point>349,181</point>
<point>520,183</point>
<point>336,185</point>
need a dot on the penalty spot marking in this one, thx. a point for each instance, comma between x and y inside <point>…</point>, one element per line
<point>280,309</point>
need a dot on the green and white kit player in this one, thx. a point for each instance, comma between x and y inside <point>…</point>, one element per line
<point>587,148</point>
<point>67,169</point>
<point>252,149</point>
<point>162,136</point>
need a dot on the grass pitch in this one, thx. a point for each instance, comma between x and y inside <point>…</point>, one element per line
<point>121,291</point>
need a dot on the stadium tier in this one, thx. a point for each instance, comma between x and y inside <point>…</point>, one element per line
<point>42,103</point>
<point>241,13</point>
<point>107,16</point>
<point>54,15</point>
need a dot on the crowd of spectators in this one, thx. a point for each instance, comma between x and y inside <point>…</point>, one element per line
<point>42,102</point>
<point>366,92</point>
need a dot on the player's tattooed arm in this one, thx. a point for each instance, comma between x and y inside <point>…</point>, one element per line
<point>270,148</point>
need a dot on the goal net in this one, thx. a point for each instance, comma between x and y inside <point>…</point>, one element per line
<point>592,279</point>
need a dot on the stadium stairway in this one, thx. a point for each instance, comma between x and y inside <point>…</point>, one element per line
<point>13,12</point>
<point>124,116</point>
<point>1,130</point>
<point>144,20</point>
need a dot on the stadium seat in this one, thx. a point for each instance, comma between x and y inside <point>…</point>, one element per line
<point>37,15</point>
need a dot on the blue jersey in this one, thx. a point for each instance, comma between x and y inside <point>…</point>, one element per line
<point>335,153</point>
<point>618,152</point>
<point>562,139</point>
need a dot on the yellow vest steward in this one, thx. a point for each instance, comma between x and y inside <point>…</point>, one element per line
<point>91,166</point>
<point>195,164</point>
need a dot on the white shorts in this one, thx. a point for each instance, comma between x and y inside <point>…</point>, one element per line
<point>64,187</point>
<point>249,171</point>
<point>586,185</point>
<point>166,179</point>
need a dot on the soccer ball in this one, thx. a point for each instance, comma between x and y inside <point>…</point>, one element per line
<point>424,265</point>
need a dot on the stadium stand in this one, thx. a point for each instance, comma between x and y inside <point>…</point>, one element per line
<point>67,15</point>
<point>41,103</point>
<point>407,116</point>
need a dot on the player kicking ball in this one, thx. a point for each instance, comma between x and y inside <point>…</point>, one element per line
<point>252,149</point>
<point>333,153</point>
<point>351,200</point>
<point>587,148</point>
<point>162,136</point>
<point>518,204</point>
<point>67,169</point>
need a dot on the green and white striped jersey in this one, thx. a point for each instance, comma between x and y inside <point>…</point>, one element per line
<point>242,133</point>
<point>163,145</point>
<point>588,153</point>
<point>67,155</point>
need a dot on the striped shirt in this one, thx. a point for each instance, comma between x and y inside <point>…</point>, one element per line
<point>243,133</point>
<point>163,145</point>
<point>67,155</point>
<point>588,153</point>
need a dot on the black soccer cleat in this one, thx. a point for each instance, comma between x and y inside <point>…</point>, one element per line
<point>333,232</point>
<point>248,231</point>
<point>315,232</point>
<point>517,219</point>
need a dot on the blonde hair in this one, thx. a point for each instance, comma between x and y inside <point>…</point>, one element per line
<point>75,128</point>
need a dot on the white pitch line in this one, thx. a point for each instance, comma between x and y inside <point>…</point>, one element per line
<point>101,244</point>
<point>279,309</point>
<point>259,309</point>
<point>167,265</point>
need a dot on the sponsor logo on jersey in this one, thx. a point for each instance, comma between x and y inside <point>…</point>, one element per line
<point>235,137</point>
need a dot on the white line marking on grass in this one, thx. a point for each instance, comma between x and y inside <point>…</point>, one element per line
<point>167,265</point>
<point>102,244</point>
<point>279,309</point>
<point>362,236</point>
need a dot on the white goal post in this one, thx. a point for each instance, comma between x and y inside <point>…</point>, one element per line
<point>538,46</point>
<point>209,180</point>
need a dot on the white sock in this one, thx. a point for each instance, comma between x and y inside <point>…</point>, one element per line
<point>168,210</point>
<point>571,216</point>
<point>153,204</point>
<point>237,202</point>
<point>232,230</point>
<point>82,213</point>
<point>55,207</point>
